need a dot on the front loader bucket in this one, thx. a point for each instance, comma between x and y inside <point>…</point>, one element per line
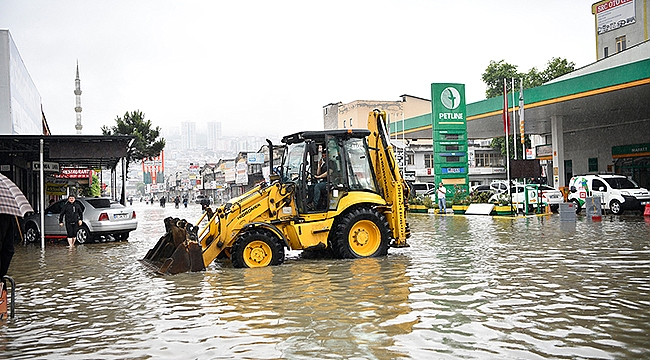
<point>177,251</point>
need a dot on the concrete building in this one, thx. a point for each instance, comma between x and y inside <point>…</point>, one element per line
<point>214,135</point>
<point>20,102</point>
<point>355,114</point>
<point>188,135</point>
<point>619,25</point>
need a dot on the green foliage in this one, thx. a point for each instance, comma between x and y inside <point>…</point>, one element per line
<point>146,144</point>
<point>460,195</point>
<point>427,202</point>
<point>94,189</point>
<point>503,199</point>
<point>421,200</point>
<point>497,71</point>
<point>480,197</point>
<point>499,143</point>
<point>494,75</point>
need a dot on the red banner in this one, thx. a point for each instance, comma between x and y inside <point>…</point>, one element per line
<point>75,173</point>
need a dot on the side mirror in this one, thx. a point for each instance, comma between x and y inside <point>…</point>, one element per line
<point>602,188</point>
<point>573,189</point>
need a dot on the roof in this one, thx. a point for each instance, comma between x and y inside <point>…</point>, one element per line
<point>92,151</point>
<point>320,135</point>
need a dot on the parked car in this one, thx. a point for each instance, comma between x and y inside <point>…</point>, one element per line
<point>422,188</point>
<point>481,189</point>
<point>101,217</point>
<point>536,194</point>
<point>617,193</point>
<point>200,198</point>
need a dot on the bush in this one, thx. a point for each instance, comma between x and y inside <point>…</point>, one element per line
<point>480,197</point>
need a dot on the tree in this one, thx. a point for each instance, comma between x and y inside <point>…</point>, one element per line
<point>493,78</point>
<point>499,144</point>
<point>145,145</point>
<point>93,189</point>
<point>494,75</point>
<point>557,67</point>
<point>496,71</point>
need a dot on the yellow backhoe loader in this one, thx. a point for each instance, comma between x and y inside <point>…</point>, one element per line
<point>336,190</point>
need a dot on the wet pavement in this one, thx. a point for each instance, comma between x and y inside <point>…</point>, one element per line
<point>472,287</point>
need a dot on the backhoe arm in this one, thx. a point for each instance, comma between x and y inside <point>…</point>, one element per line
<point>390,179</point>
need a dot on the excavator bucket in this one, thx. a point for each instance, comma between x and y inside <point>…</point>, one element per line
<point>177,251</point>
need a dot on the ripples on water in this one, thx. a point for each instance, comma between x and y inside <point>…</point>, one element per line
<point>468,287</point>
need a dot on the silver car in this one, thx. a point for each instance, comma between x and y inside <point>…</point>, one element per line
<point>102,217</point>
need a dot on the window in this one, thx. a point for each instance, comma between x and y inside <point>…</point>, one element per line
<point>350,122</point>
<point>488,159</point>
<point>620,43</point>
<point>606,52</point>
<point>344,123</point>
<point>593,164</point>
<point>410,159</point>
<point>359,168</point>
<point>598,185</point>
<point>428,160</point>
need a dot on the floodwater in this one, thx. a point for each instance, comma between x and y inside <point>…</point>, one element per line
<point>468,287</point>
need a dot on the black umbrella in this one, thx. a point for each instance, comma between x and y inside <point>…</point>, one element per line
<point>12,200</point>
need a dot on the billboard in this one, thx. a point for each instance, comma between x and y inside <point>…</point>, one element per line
<point>153,169</point>
<point>449,123</point>
<point>613,14</point>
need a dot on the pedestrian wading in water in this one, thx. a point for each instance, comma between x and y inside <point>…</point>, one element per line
<point>73,215</point>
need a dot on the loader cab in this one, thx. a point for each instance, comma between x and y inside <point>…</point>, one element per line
<point>325,166</point>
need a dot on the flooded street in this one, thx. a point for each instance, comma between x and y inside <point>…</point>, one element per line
<point>468,287</point>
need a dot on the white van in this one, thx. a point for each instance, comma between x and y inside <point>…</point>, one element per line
<point>617,193</point>
<point>422,188</point>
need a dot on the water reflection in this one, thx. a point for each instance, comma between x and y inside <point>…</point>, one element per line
<point>468,287</point>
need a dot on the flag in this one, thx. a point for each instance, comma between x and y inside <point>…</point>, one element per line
<point>506,116</point>
<point>521,110</point>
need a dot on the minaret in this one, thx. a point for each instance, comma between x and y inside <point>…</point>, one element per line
<point>77,109</point>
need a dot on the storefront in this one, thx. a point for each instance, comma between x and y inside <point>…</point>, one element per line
<point>633,161</point>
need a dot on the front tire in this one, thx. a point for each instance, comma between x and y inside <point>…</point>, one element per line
<point>31,234</point>
<point>577,203</point>
<point>615,207</point>
<point>83,235</point>
<point>360,233</point>
<point>256,248</point>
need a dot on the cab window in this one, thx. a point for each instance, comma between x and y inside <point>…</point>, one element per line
<point>359,169</point>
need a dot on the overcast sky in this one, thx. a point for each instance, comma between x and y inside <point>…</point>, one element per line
<point>269,67</point>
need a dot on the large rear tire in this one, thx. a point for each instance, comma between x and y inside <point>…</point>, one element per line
<point>257,248</point>
<point>360,233</point>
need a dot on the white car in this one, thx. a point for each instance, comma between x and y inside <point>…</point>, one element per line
<point>536,194</point>
<point>101,217</point>
<point>617,193</point>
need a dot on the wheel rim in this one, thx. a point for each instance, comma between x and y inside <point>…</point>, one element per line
<point>30,235</point>
<point>364,238</point>
<point>257,254</point>
<point>615,207</point>
<point>82,235</point>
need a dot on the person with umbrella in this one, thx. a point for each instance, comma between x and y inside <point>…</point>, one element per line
<point>12,204</point>
<point>73,214</point>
